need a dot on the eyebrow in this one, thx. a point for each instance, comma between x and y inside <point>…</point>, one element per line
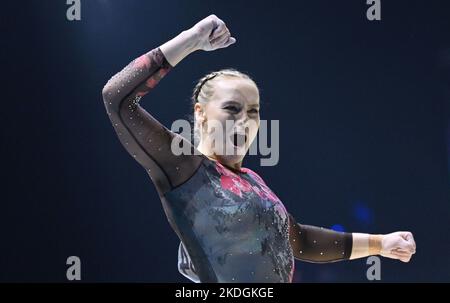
<point>231,102</point>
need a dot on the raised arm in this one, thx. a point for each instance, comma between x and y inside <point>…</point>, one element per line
<point>322,245</point>
<point>143,137</point>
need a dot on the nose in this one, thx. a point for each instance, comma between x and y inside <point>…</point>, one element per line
<point>242,122</point>
<point>243,118</point>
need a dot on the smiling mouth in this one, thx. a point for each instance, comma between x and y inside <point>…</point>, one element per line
<point>239,140</point>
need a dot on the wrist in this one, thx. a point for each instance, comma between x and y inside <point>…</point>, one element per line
<point>191,38</point>
<point>360,246</point>
<point>375,244</point>
<point>179,47</point>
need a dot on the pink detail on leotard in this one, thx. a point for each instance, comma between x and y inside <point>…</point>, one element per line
<point>236,184</point>
<point>231,181</point>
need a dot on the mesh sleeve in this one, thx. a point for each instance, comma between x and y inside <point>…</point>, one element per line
<point>317,244</point>
<point>143,136</point>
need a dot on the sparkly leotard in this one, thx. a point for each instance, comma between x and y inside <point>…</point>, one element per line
<point>232,227</point>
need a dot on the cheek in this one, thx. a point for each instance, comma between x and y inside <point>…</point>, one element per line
<point>217,123</point>
<point>253,131</point>
<point>227,122</point>
<point>217,114</point>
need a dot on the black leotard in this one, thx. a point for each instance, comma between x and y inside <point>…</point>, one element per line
<point>232,227</point>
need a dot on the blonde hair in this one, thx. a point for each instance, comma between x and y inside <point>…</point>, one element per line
<point>204,88</point>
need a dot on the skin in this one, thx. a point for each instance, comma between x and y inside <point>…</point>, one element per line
<point>211,34</point>
<point>236,100</point>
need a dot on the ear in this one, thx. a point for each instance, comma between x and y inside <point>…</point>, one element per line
<point>199,112</point>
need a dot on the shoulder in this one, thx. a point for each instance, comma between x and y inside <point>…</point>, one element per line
<point>253,174</point>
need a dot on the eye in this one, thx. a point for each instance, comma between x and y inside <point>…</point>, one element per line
<point>253,111</point>
<point>232,108</point>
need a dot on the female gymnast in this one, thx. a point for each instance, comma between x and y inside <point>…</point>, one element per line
<point>232,227</point>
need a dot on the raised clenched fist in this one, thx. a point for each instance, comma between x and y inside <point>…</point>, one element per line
<point>211,33</point>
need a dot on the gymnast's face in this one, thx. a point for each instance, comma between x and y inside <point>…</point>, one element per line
<point>229,121</point>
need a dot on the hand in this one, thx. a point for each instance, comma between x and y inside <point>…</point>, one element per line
<point>398,245</point>
<point>211,33</point>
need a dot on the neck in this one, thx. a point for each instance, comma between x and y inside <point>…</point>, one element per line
<point>212,156</point>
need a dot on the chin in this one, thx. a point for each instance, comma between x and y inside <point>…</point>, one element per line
<point>231,160</point>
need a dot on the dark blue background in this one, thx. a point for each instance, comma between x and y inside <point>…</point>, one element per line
<point>363,110</point>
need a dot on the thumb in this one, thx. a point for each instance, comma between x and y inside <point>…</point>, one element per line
<point>230,41</point>
<point>233,40</point>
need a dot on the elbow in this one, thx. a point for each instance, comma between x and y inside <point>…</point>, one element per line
<point>109,99</point>
<point>106,92</point>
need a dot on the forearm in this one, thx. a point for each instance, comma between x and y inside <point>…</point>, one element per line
<point>137,78</point>
<point>365,245</point>
<point>177,48</point>
<point>318,245</point>
<point>137,74</point>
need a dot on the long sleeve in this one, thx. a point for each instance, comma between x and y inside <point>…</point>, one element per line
<point>142,136</point>
<point>318,245</point>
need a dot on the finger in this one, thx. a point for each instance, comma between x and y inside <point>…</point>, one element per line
<point>223,27</point>
<point>220,40</point>
<point>405,234</point>
<point>405,259</point>
<point>408,247</point>
<point>411,240</point>
<point>408,236</point>
<point>218,31</point>
<point>401,256</point>
<point>400,250</point>
<point>411,252</point>
<point>228,42</point>
<point>400,253</point>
